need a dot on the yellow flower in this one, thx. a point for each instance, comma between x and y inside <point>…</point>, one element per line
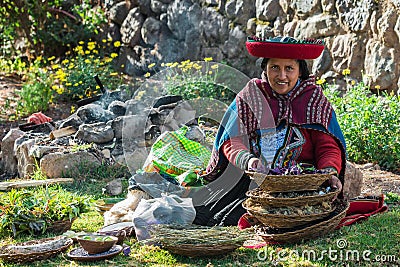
<point>39,58</point>
<point>210,72</point>
<point>68,84</point>
<point>151,65</point>
<point>114,55</point>
<point>87,61</point>
<point>196,66</point>
<point>353,82</point>
<point>214,66</point>
<point>208,59</point>
<point>169,64</point>
<point>60,91</point>
<point>51,58</point>
<point>377,87</point>
<point>122,65</point>
<point>147,75</point>
<point>55,66</point>
<point>114,74</point>
<point>87,52</point>
<point>346,72</point>
<point>185,62</point>
<point>65,61</point>
<point>72,109</point>
<point>117,44</point>
<point>76,84</point>
<point>95,51</point>
<point>104,40</point>
<point>321,81</point>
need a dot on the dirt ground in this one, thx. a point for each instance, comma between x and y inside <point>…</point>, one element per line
<point>376,181</point>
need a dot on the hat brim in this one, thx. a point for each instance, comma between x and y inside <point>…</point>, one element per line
<point>281,50</point>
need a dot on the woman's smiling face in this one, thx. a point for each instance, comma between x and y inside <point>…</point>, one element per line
<point>282,74</point>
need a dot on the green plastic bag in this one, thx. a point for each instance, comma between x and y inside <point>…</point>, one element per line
<point>178,158</point>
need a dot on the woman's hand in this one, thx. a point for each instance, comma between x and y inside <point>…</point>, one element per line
<point>256,165</point>
<point>335,184</point>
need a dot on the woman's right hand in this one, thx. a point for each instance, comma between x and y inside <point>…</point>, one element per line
<point>256,165</point>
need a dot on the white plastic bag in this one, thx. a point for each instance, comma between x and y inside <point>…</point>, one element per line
<point>168,209</point>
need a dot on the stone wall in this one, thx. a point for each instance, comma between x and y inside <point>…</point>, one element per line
<point>362,36</point>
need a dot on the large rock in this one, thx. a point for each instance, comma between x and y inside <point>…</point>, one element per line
<point>27,164</point>
<point>56,165</point>
<point>353,181</point>
<point>98,133</point>
<point>10,163</point>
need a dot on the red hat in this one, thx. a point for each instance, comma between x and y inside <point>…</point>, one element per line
<point>284,47</point>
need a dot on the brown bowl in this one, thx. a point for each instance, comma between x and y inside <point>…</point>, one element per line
<point>96,243</point>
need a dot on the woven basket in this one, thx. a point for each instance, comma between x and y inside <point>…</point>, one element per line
<point>9,256</point>
<point>201,250</point>
<point>198,241</point>
<point>260,196</point>
<point>281,220</point>
<point>312,230</point>
<point>58,227</point>
<point>289,183</point>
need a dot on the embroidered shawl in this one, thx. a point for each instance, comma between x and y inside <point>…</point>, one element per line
<point>257,107</point>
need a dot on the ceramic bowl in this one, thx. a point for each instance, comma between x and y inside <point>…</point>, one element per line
<point>96,243</point>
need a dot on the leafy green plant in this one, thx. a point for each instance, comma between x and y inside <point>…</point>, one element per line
<point>47,25</point>
<point>35,209</point>
<point>370,124</point>
<point>194,80</point>
<point>392,198</point>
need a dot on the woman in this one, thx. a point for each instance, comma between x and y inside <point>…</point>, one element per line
<point>275,122</point>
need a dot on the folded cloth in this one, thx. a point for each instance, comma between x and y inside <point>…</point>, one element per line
<point>363,207</point>
<point>39,118</point>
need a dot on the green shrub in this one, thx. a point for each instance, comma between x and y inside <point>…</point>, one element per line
<point>370,124</point>
<point>34,210</point>
<point>47,26</point>
<point>35,94</point>
<point>194,80</point>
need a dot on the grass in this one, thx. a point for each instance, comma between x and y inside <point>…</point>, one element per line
<point>378,236</point>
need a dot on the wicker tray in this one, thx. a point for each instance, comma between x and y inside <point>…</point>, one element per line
<point>281,220</point>
<point>309,231</point>
<point>198,241</point>
<point>260,196</point>
<point>289,183</point>
<point>201,250</point>
<point>8,253</point>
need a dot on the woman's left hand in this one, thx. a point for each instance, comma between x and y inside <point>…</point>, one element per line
<point>335,184</point>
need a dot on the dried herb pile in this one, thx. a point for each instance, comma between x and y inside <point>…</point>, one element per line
<point>175,235</point>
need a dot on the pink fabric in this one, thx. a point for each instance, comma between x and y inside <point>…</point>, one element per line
<point>39,118</point>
